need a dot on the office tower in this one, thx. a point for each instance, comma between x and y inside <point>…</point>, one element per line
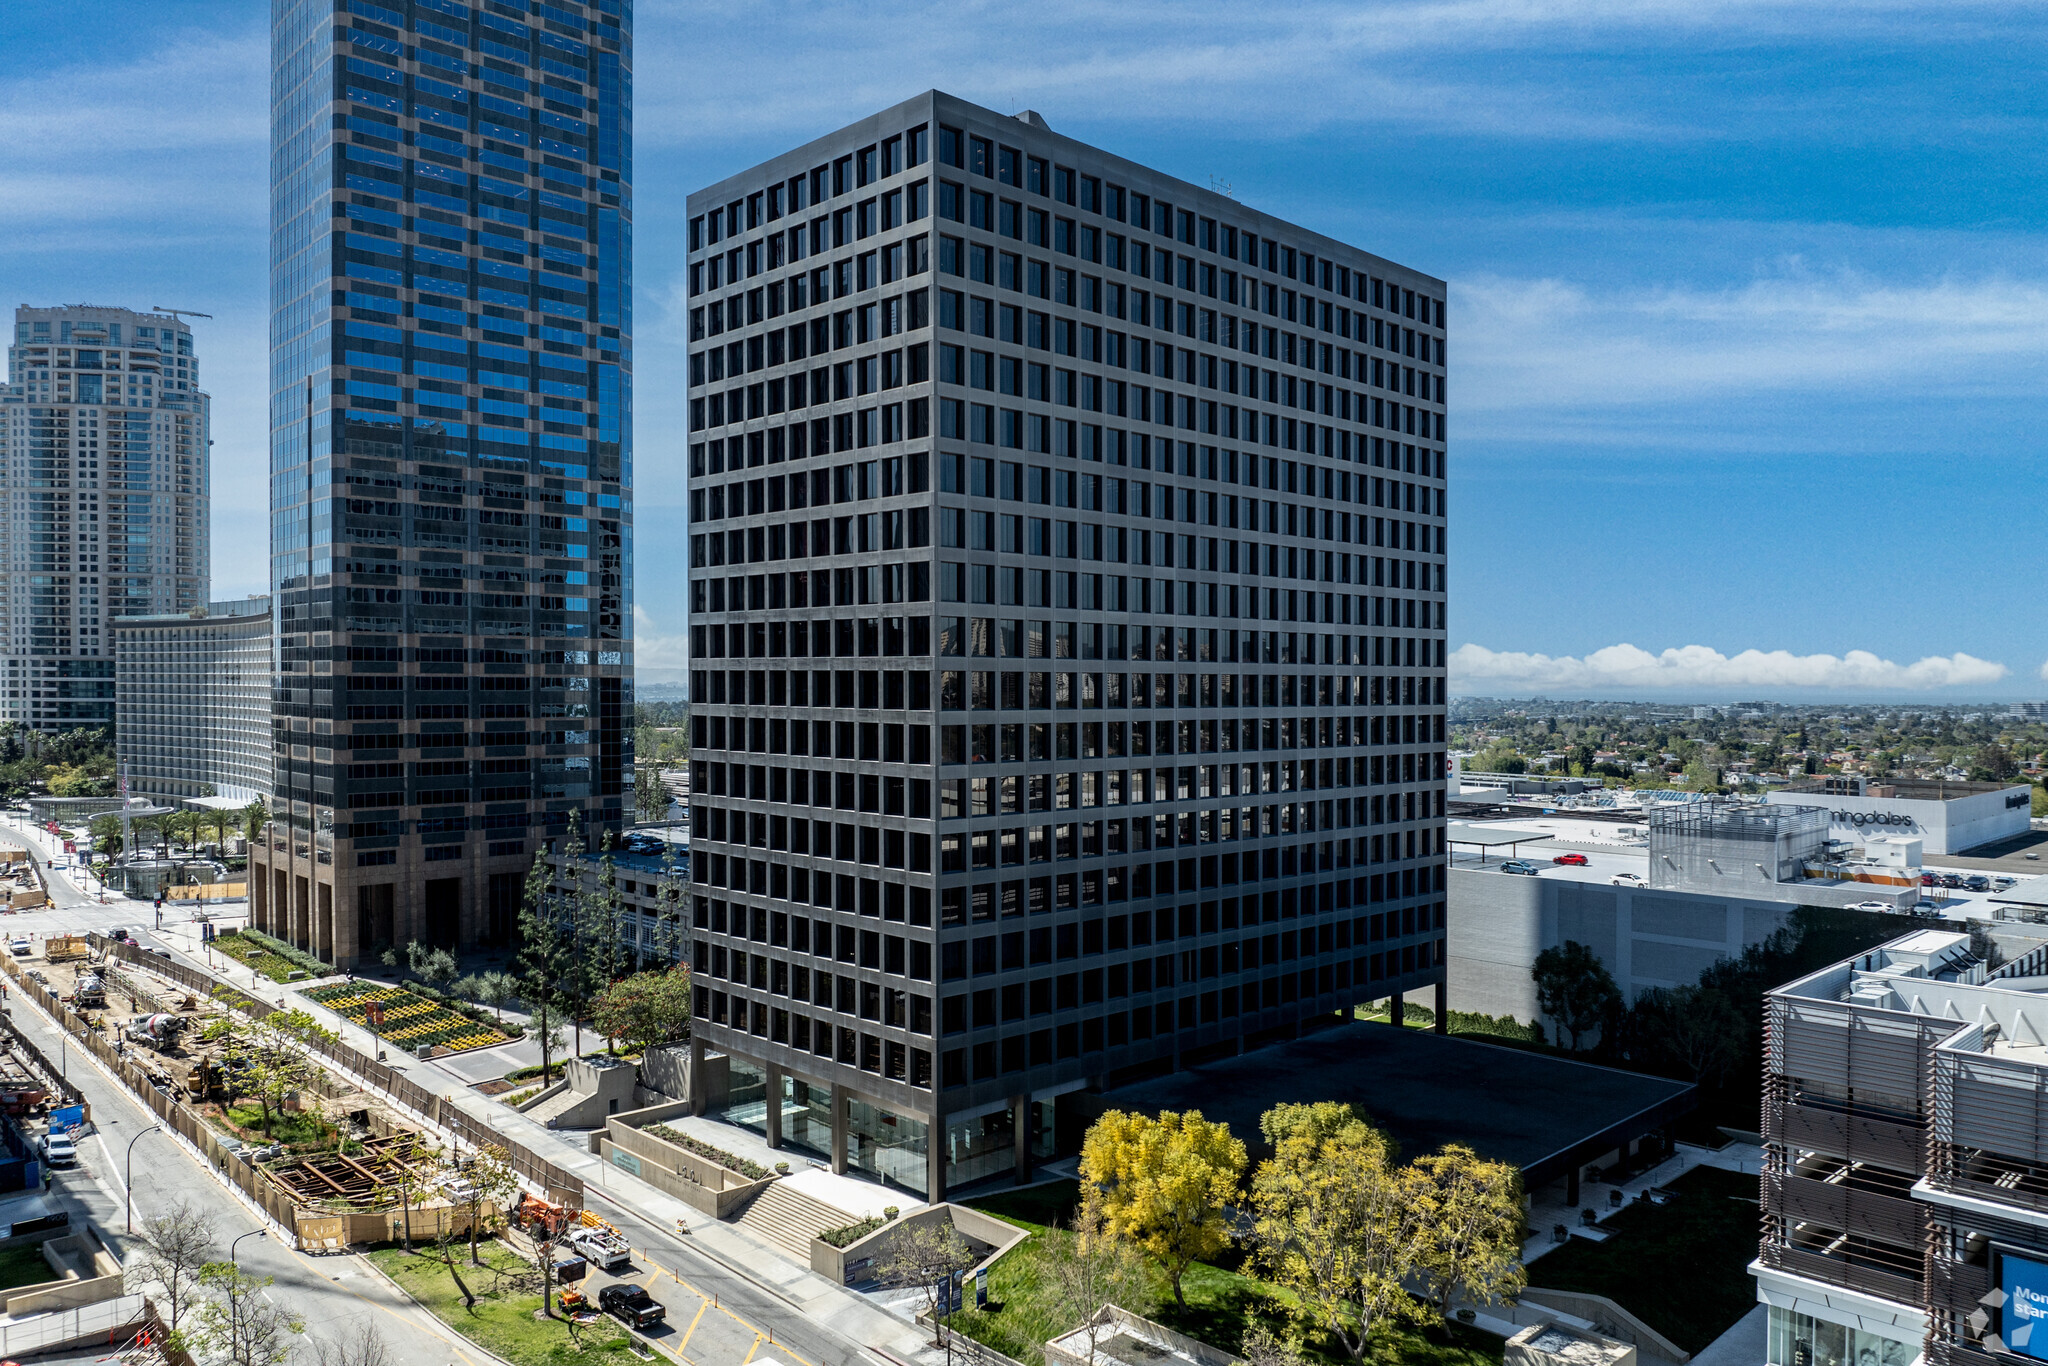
<point>1068,669</point>
<point>107,491</point>
<point>1905,1211</point>
<point>451,458</point>
<point>193,693</point>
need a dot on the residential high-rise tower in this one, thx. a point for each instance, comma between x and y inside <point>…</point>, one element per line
<point>451,458</point>
<point>106,490</point>
<point>1067,582</point>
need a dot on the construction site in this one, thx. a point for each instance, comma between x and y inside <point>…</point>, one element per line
<point>328,1158</point>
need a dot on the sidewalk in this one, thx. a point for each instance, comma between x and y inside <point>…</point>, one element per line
<point>637,1208</point>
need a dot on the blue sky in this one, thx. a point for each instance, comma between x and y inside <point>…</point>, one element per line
<point>1749,302</point>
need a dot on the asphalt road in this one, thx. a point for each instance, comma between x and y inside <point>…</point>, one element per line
<point>716,1317</point>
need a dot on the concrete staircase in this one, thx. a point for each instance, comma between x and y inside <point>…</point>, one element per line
<point>788,1219</point>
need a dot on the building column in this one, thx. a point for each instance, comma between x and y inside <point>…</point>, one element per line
<point>1020,1123</point>
<point>1395,1009</point>
<point>698,1089</point>
<point>1443,1006</point>
<point>772,1121</point>
<point>935,1159</point>
<point>839,1098</point>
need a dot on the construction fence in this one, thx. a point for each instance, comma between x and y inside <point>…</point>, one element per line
<point>315,1231</point>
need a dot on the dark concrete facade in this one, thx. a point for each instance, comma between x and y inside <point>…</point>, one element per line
<point>1067,586</point>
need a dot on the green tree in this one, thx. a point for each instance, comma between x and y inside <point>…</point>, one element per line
<point>278,1050</point>
<point>1690,1030</point>
<point>1574,988</point>
<point>254,817</point>
<point>650,793</point>
<point>547,953</point>
<point>1164,1183</point>
<point>237,1324</point>
<point>645,1010</point>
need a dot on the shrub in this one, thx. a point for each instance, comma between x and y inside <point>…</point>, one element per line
<point>849,1234</point>
<point>753,1171</point>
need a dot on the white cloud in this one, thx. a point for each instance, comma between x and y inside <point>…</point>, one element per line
<point>1552,345</point>
<point>1700,667</point>
<point>658,657</point>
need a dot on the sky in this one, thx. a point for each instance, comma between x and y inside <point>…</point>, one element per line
<point>1749,302</point>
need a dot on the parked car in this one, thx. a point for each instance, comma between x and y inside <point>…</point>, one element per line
<point>19,948</point>
<point>1925,907</point>
<point>1977,882</point>
<point>1929,880</point>
<point>59,1150</point>
<point>1515,865</point>
<point>631,1305</point>
<point>1574,860</point>
<point>1952,880</point>
<point>1999,884</point>
<point>1628,880</point>
<point>1883,906</point>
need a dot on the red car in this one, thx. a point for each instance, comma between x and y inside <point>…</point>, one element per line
<point>1575,860</point>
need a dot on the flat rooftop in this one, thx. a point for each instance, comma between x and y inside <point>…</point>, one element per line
<point>1543,1114</point>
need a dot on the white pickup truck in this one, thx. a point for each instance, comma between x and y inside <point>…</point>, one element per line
<point>603,1248</point>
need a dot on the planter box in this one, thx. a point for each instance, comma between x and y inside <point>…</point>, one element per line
<point>696,1180</point>
<point>989,1236</point>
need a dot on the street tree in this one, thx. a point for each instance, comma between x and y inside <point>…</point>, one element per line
<point>171,1247</point>
<point>1339,1225</point>
<point>237,1324</point>
<point>358,1344</point>
<point>495,989</point>
<point>1472,1239</point>
<point>1575,989</point>
<point>924,1257</point>
<point>1164,1183</point>
<point>488,1183</point>
<point>646,1010</point>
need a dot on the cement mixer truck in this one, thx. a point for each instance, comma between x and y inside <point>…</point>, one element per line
<point>158,1031</point>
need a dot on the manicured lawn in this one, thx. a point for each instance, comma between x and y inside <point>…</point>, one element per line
<point>1222,1304</point>
<point>21,1266</point>
<point>1681,1267</point>
<point>503,1320</point>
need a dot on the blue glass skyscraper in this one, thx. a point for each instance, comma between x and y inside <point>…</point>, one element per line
<point>451,458</point>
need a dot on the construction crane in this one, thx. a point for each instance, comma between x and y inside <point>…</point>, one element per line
<point>179,312</point>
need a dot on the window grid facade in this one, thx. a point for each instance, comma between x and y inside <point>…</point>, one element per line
<point>451,538</point>
<point>104,499</point>
<point>193,692</point>
<point>1068,600</point>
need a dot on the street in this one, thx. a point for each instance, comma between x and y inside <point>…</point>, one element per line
<point>715,1315</point>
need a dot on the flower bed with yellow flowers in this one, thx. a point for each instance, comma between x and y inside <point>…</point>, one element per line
<point>410,1020</point>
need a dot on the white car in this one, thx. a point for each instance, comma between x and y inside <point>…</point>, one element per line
<point>19,948</point>
<point>1872,906</point>
<point>1628,880</point>
<point>59,1150</point>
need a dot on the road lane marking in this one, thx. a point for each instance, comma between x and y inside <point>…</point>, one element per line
<point>683,1346</point>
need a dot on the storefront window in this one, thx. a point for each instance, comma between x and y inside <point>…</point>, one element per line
<point>746,1096</point>
<point>979,1148</point>
<point>807,1117</point>
<point>1802,1340</point>
<point>886,1145</point>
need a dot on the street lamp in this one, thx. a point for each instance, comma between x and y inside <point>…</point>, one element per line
<point>252,1233</point>
<point>152,1129</point>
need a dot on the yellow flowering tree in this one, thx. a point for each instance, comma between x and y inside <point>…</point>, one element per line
<point>1337,1223</point>
<point>1473,1245</point>
<point>1164,1183</point>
